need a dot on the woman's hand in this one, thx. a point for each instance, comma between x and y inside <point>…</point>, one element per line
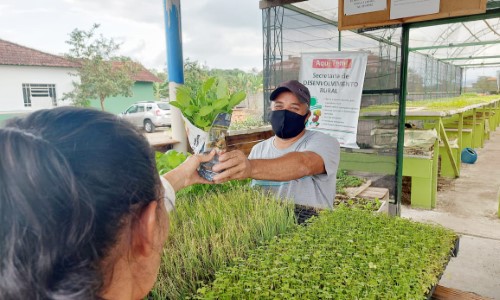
<point>186,174</point>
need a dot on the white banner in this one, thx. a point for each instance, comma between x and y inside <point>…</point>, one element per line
<point>335,81</point>
<point>354,7</point>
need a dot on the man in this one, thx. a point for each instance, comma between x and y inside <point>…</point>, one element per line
<point>296,163</point>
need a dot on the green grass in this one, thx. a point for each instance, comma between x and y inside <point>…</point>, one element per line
<point>344,254</point>
<point>208,230</point>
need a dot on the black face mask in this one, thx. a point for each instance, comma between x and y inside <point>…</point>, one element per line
<point>287,124</point>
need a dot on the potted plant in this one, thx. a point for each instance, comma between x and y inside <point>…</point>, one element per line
<point>207,114</point>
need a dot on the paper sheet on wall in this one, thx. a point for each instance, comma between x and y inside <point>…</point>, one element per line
<point>335,81</point>
<point>354,7</point>
<point>411,8</point>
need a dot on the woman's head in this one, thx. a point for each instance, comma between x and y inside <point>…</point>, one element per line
<point>77,190</point>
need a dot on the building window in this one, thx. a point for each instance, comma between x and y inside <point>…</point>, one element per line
<point>33,92</point>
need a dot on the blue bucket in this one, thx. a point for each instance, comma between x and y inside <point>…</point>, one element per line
<point>469,156</point>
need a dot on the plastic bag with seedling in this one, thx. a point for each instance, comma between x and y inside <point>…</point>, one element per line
<point>207,114</point>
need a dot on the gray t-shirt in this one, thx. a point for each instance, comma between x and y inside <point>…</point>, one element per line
<point>317,190</point>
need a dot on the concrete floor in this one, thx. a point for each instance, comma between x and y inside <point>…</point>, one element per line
<point>469,206</point>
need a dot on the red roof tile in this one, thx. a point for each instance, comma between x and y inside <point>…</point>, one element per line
<point>142,75</point>
<point>14,54</point>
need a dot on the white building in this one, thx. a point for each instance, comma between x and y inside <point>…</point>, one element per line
<point>31,79</point>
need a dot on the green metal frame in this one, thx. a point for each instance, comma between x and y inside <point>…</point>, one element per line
<point>481,64</point>
<point>405,54</point>
<point>452,45</point>
<point>471,57</point>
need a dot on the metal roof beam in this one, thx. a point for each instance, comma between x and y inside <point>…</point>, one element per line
<point>491,28</point>
<point>336,24</point>
<point>471,33</point>
<point>484,64</point>
<point>489,14</point>
<point>453,45</point>
<point>470,57</point>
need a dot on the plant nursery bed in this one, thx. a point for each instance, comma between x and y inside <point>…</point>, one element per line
<point>347,253</point>
<point>304,213</point>
<point>453,253</point>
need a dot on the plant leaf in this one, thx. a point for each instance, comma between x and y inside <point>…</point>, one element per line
<point>176,104</point>
<point>236,99</point>
<point>183,96</point>
<point>190,110</point>
<point>201,122</point>
<point>222,88</point>
<point>207,85</point>
<point>205,110</point>
<point>175,160</point>
<point>220,103</point>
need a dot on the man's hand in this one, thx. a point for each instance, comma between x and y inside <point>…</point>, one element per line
<point>186,174</point>
<point>234,165</point>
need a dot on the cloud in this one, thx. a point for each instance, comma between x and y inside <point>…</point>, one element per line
<point>138,11</point>
<point>220,33</point>
<point>226,13</point>
<point>223,34</point>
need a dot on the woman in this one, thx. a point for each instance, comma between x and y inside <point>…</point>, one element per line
<point>82,207</point>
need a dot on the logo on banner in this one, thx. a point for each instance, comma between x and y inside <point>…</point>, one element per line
<point>335,63</point>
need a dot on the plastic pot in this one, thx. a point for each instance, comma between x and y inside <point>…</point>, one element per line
<point>469,156</point>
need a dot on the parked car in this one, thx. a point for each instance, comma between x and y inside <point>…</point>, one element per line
<point>148,115</point>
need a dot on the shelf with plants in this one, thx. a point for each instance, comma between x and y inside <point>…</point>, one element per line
<point>443,104</point>
<point>344,254</point>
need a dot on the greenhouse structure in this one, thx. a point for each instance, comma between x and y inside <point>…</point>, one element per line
<point>416,77</point>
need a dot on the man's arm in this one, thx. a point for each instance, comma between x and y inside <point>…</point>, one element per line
<point>293,165</point>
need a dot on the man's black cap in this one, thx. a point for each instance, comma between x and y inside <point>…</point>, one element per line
<point>294,86</point>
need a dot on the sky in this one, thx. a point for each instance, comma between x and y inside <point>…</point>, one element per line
<point>223,34</point>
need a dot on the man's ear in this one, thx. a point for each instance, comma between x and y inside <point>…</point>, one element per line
<point>308,114</point>
<point>144,231</point>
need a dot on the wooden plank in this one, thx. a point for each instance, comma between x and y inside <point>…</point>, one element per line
<point>246,148</point>
<point>456,129</point>
<point>354,191</point>
<point>444,293</point>
<point>242,138</point>
<point>449,151</point>
<point>447,9</point>
<point>245,142</point>
<point>164,146</point>
<point>375,192</point>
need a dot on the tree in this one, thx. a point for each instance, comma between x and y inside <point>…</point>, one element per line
<point>485,84</point>
<point>194,74</point>
<point>101,74</point>
<point>160,89</point>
